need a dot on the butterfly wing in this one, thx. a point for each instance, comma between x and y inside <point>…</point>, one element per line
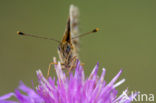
<point>74,22</point>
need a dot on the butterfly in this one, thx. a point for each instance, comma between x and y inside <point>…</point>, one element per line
<point>68,47</point>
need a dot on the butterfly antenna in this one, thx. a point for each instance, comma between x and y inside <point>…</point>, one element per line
<point>84,34</point>
<point>36,36</point>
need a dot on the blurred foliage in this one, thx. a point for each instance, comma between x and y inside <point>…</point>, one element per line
<point>126,39</point>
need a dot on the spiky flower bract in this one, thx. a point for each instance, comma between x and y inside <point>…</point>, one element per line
<point>74,88</point>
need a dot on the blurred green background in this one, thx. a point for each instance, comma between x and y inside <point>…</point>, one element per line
<point>127,39</point>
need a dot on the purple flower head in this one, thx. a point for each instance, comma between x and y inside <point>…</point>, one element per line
<point>74,88</point>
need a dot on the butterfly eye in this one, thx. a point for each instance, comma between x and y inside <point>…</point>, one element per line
<point>68,49</point>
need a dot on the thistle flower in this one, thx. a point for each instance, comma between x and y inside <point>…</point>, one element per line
<point>74,88</point>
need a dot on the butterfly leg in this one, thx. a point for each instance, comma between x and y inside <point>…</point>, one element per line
<point>73,64</point>
<point>49,68</point>
<point>82,64</point>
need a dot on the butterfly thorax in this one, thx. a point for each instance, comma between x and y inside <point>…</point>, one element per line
<point>65,51</point>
